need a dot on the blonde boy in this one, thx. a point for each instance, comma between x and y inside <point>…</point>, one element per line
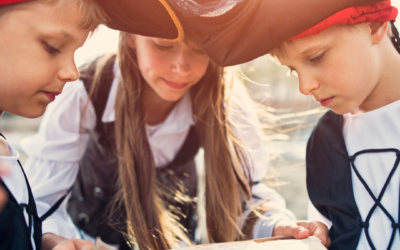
<point>38,40</point>
<point>348,63</point>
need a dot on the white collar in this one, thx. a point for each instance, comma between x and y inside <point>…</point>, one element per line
<point>382,111</point>
<point>180,118</point>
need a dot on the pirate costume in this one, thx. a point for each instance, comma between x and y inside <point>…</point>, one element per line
<point>20,226</point>
<point>84,158</point>
<point>230,31</point>
<point>352,161</point>
<point>229,24</point>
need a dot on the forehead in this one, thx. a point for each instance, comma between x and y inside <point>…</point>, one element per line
<point>46,17</point>
<point>189,41</point>
<point>292,50</point>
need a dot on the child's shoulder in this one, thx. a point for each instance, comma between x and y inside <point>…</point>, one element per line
<point>327,133</point>
<point>329,123</point>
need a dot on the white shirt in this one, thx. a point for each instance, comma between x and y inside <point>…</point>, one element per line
<point>61,141</point>
<point>16,183</point>
<point>377,129</point>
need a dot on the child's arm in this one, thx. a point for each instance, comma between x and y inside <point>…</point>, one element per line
<point>273,208</point>
<point>3,171</point>
<point>3,194</point>
<point>249,130</point>
<point>54,154</point>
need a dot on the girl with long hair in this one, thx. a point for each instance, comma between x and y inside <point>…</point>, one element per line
<point>124,138</point>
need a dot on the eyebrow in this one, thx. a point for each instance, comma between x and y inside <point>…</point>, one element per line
<point>310,49</point>
<point>58,33</point>
<point>66,34</point>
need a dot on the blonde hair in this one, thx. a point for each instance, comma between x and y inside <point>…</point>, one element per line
<point>280,51</point>
<point>151,223</point>
<point>92,14</point>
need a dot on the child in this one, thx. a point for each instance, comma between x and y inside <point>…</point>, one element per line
<point>129,130</point>
<point>348,63</point>
<point>37,45</point>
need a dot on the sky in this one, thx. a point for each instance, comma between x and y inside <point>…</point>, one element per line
<point>105,41</point>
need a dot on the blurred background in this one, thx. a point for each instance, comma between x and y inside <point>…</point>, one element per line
<point>288,117</point>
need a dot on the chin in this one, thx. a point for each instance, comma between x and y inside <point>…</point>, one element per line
<point>30,113</point>
<point>341,111</point>
<point>172,98</point>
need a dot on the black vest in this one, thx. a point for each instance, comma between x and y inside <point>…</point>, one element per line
<point>329,183</point>
<point>96,183</point>
<point>14,233</point>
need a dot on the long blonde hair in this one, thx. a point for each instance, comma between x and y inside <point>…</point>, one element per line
<point>150,223</point>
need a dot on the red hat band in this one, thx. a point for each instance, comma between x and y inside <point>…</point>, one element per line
<point>5,2</point>
<point>377,12</point>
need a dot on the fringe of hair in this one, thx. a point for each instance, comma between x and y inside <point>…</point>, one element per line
<point>92,14</point>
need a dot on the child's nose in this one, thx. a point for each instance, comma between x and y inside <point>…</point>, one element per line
<point>182,65</point>
<point>69,72</point>
<point>307,85</point>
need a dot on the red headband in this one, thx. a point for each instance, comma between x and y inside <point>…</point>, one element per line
<point>376,12</point>
<point>5,2</point>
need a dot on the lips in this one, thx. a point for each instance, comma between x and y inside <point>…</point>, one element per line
<point>326,102</point>
<point>174,85</point>
<point>51,95</point>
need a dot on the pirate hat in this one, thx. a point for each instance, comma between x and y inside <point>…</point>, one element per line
<point>377,12</point>
<point>4,2</point>
<point>144,17</point>
<point>229,31</point>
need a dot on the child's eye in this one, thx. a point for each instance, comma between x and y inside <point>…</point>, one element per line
<point>318,58</point>
<point>162,47</point>
<point>50,48</point>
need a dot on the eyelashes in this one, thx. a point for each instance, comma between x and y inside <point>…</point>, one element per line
<point>171,47</point>
<point>318,58</point>
<point>308,62</point>
<point>163,48</point>
<point>50,49</point>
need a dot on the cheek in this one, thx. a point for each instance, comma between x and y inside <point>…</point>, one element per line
<point>152,67</point>
<point>342,73</point>
<point>200,65</point>
<point>27,67</point>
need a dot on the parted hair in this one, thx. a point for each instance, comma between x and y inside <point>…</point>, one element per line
<point>92,14</point>
<point>150,222</point>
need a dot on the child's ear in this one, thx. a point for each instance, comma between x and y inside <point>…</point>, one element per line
<point>378,31</point>
<point>131,41</point>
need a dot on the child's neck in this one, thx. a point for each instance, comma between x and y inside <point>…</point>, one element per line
<point>387,90</point>
<point>156,108</point>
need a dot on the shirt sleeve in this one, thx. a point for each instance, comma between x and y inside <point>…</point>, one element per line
<point>54,153</point>
<point>277,211</point>
<point>248,129</point>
